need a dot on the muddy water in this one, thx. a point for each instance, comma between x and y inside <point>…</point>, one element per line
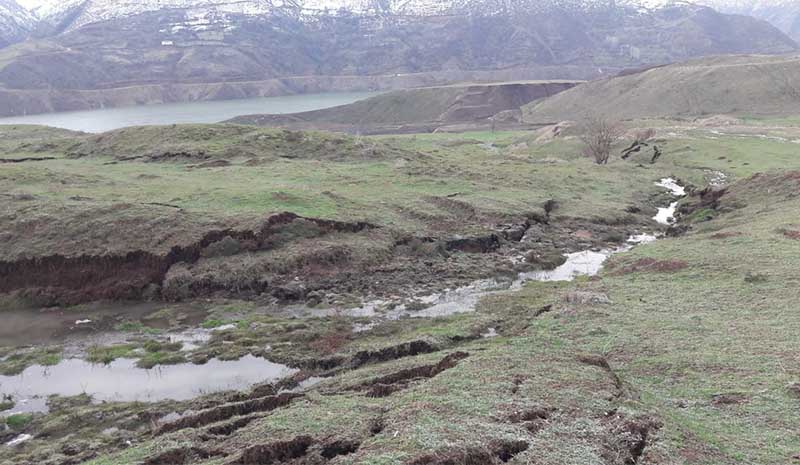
<point>465,299</point>
<point>122,381</point>
<point>27,326</point>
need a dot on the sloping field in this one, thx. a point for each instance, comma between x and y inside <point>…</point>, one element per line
<point>742,85</point>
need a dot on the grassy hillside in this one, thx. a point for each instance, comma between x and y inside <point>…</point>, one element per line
<point>418,110</point>
<point>681,351</point>
<point>744,85</point>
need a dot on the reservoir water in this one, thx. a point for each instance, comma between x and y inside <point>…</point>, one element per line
<point>185,113</point>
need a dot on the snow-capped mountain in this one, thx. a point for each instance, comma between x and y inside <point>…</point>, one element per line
<point>783,14</point>
<point>83,12</point>
<point>107,52</point>
<point>15,22</point>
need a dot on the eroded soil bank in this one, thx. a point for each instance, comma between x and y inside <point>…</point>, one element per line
<point>537,371</point>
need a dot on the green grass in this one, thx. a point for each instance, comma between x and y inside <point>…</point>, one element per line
<point>725,324</point>
<point>107,354</point>
<point>18,361</point>
<point>19,420</point>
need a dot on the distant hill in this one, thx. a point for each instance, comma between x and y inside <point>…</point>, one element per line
<point>743,85</point>
<point>422,109</point>
<point>103,53</point>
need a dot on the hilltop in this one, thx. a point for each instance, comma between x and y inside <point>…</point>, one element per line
<point>745,85</point>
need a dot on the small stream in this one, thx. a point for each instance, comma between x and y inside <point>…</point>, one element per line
<point>122,381</point>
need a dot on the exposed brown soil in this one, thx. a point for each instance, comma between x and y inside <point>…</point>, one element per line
<point>406,349</point>
<point>230,427</point>
<point>389,384</point>
<point>62,280</point>
<point>792,234</point>
<point>276,452</point>
<point>179,456</point>
<point>223,412</point>
<point>339,447</point>
<point>534,420</point>
<point>494,452</point>
<point>630,438</point>
<point>300,450</point>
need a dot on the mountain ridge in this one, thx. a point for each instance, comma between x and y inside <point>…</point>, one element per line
<point>177,49</point>
<point>16,23</point>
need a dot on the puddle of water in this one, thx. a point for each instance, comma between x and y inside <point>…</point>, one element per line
<point>122,381</point>
<point>586,263</point>
<point>25,326</point>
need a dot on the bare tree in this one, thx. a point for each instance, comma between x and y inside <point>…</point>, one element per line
<point>598,136</point>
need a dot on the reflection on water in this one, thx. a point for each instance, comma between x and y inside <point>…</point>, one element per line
<point>185,113</point>
<point>122,381</point>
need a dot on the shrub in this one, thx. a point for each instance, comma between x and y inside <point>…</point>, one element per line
<point>598,136</point>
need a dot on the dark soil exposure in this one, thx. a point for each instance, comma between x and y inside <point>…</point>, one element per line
<point>792,234</point>
<point>494,453</point>
<point>276,452</point>
<point>24,160</point>
<point>406,349</point>
<point>339,447</point>
<point>226,429</point>
<point>533,420</point>
<point>179,456</point>
<point>386,385</point>
<point>60,280</point>
<point>631,437</point>
<point>300,450</point>
<point>223,412</point>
